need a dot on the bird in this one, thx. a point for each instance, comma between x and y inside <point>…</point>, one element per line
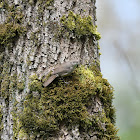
<point>62,70</point>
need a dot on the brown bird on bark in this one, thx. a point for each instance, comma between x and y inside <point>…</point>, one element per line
<point>62,70</point>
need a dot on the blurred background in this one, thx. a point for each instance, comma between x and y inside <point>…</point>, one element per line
<point>119,24</point>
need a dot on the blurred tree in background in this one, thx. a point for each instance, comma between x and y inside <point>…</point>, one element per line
<point>118,22</point>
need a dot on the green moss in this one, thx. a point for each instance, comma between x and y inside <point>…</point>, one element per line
<point>5,81</point>
<point>9,83</point>
<point>1,117</point>
<point>1,57</point>
<point>86,75</point>
<point>13,83</point>
<point>12,28</point>
<point>35,84</point>
<point>22,134</point>
<point>44,3</point>
<point>46,77</point>
<point>68,104</point>
<point>3,4</point>
<point>80,26</point>
<point>16,124</point>
<point>14,14</point>
<point>31,2</point>
<point>49,2</point>
<point>28,62</point>
<point>8,32</point>
<point>98,45</point>
<point>20,85</point>
<point>33,77</point>
<point>34,38</point>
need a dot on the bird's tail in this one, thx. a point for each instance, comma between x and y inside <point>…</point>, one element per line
<point>46,83</point>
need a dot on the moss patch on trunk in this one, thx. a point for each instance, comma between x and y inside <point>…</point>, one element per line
<point>78,26</point>
<point>12,28</point>
<point>67,103</point>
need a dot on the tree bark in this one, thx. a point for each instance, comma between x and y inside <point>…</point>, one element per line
<point>35,36</point>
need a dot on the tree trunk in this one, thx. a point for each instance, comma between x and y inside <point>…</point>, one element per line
<point>35,36</point>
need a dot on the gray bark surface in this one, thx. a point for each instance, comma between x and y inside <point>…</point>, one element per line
<point>39,55</point>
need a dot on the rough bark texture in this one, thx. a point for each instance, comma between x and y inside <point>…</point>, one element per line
<point>33,43</point>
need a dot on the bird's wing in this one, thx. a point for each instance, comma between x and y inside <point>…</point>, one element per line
<point>46,83</point>
<point>60,70</point>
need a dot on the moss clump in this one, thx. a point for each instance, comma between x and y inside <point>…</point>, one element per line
<point>9,32</point>
<point>35,84</point>
<point>67,104</point>
<point>20,85</point>
<point>79,26</point>
<point>87,75</point>
<point>12,28</point>
<point>49,2</point>
<point>22,134</point>
<point>3,4</point>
